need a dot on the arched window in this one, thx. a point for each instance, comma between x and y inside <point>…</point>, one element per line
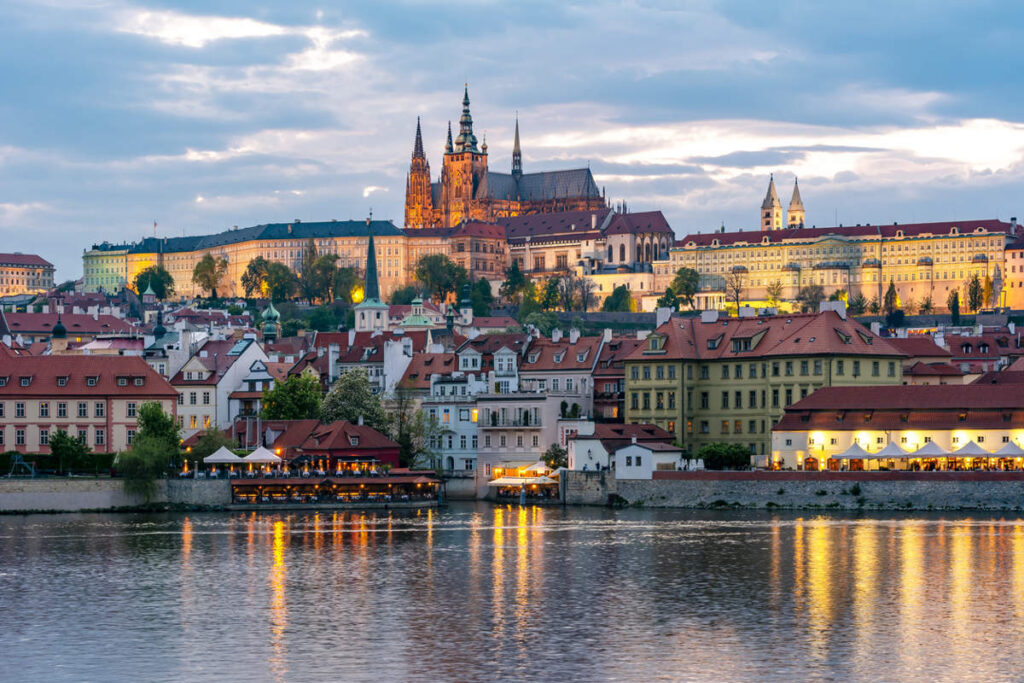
<point>610,254</point>
<point>639,253</point>
<point>622,253</point>
<point>647,252</point>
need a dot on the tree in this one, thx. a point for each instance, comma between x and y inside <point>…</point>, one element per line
<point>415,432</point>
<point>481,297</point>
<point>281,281</point>
<point>141,466</point>
<point>988,291</point>
<point>352,398</point>
<point>810,298</point>
<point>403,296</point>
<point>318,282</point>
<point>926,307</point>
<point>567,292</point>
<point>296,398</point>
<point>774,293</point>
<point>735,286</point>
<point>254,278</point>
<point>619,300</point>
<point>975,293</point>
<point>668,300</point>
<point>685,285</point>
<point>549,293</point>
<point>440,275</point>
<point>211,442</point>
<point>514,285</point>
<point>348,286</point>
<point>157,278</point>
<point>209,272</point>
<point>839,295</point>
<point>953,303</point>
<point>155,424</point>
<point>874,306</point>
<point>585,293</point>
<point>544,321</point>
<point>307,281</point>
<point>323,319</point>
<point>556,456</point>
<point>892,299</point>
<point>69,451</point>
<point>857,304</point>
<point>724,456</point>
<point>894,319</point>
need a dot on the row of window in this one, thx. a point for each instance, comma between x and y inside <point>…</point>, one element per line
<point>99,436</point>
<point>193,397</point>
<point>778,369</point>
<point>43,409</point>
<point>439,442</point>
<point>503,441</point>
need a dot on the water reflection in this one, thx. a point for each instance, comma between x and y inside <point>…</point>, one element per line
<point>487,593</point>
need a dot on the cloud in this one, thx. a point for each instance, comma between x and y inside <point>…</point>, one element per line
<point>370,189</point>
<point>175,28</point>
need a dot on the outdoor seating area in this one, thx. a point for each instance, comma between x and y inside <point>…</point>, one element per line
<point>353,490</point>
<point>930,457</point>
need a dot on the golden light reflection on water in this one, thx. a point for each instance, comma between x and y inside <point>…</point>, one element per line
<point>912,589</point>
<point>798,566</point>
<point>865,586</point>
<point>819,586</point>
<point>522,607</point>
<point>960,627</point>
<point>498,574</point>
<point>278,604</point>
<point>1018,570</point>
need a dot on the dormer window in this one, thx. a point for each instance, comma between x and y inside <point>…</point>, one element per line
<point>3,381</point>
<point>534,357</point>
<point>90,381</point>
<point>25,381</point>
<point>140,381</point>
<point>353,440</point>
<point>122,381</point>
<point>62,381</point>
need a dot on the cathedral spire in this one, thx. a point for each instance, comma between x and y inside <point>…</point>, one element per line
<point>466,142</point>
<point>417,148</point>
<point>771,208</point>
<point>372,288</point>
<point>448,145</point>
<point>795,215</point>
<point>517,154</point>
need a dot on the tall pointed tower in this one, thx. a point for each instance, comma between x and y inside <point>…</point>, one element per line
<point>464,194</point>
<point>371,313</point>
<point>419,203</point>
<point>795,215</point>
<point>517,156</point>
<point>771,208</point>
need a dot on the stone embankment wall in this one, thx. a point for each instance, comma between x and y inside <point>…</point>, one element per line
<point>812,490</point>
<point>460,486</point>
<point>71,495</point>
<point>587,488</point>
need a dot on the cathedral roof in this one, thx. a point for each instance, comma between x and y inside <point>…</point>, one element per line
<point>576,182</point>
<point>642,222</point>
<point>544,224</point>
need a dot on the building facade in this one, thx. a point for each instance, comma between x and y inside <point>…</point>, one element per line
<point>24,274</point>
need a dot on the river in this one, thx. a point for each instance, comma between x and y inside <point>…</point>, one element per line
<point>476,592</point>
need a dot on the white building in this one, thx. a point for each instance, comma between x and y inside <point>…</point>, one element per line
<point>641,460</point>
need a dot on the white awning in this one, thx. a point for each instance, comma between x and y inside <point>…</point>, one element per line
<point>520,481</point>
<point>1010,450</point>
<point>222,456</point>
<point>971,450</point>
<point>262,455</point>
<point>890,451</point>
<point>931,450</point>
<point>854,452</point>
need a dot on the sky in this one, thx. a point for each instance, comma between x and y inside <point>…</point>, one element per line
<point>199,116</point>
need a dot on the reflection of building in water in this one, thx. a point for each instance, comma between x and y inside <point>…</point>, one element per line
<point>278,604</point>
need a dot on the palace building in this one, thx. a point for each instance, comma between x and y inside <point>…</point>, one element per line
<point>468,190</point>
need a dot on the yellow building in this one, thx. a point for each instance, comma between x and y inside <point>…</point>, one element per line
<point>24,274</point>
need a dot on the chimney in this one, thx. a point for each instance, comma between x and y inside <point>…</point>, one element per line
<point>634,438</point>
<point>709,316</point>
<point>556,335</point>
<point>574,335</point>
<point>662,316</point>
<point>876,328</point>
<point>351,337</point>
<point>593,221</point>
<point>607,335</point>
<point>333,353</point>
<point>360,421</point>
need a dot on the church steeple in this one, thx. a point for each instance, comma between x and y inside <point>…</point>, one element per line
<point>371,312</point>
<point>417,147</point>
<point>466,142</point>
<point>372,289</point>
<point>771,208</point>
<point>795,215</point>
<point>419,203</point>
<point>448,145</point>
<point>517,155</point>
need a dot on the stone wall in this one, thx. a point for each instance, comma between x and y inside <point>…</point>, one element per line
<point>460,486</point>
<point>809,490</point>
<point>71,495</point>
<point>587,488</point>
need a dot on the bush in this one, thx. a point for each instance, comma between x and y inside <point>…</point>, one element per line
<point>855,489</point>
<point>724,456</point>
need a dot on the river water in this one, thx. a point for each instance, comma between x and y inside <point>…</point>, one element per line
<point>478,592</point>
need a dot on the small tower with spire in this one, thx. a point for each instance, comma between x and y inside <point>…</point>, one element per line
<point>419,201</point>
<point>517,155</point>
<point>464,191</point>
<point>271,324</point>
<point>771,208</point>
<point>795,215</point>
<point>58,338</point>
<point>371,313</point>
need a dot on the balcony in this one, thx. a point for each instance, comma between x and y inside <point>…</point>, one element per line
<point>509,424</point>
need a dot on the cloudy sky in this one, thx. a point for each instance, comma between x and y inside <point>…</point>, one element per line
<point>204,115</point>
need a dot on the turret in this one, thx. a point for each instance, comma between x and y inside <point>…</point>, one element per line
<point>795,215</point>
<point>419,203</point>
<point>517,155</point>
<point>771,208</point>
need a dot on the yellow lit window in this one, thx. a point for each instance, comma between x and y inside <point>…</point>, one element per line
<point>476,414</point>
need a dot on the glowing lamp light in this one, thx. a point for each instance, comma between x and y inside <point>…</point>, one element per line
<point>357,294</point>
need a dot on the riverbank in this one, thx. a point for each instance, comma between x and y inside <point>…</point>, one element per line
<point>802,490</point>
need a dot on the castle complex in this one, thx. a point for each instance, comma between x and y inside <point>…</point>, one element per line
<point>467,190</point>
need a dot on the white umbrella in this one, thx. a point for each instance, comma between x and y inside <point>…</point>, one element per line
<point>931,450</point>
<point>971,450</point>
<point>1010,450</point>
<point>890,451</point>
<point>222,456</point>
<point>262,455</point>
<point>854,452</point>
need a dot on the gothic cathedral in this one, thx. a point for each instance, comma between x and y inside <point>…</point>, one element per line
<point>468,191</point>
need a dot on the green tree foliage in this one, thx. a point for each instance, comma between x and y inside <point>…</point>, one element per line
<point>323,319</point>
<point>668,300</point>
<point>548,298</point>
<point>567,292</point>
<point>352,397</point>
<point>440,276</point>
<point>414,431</point>
<point>810,298</point>
<point>926,307</point>
<point>481,297</point>
<point>209,272</point>
<point>975,293</point>
<point>403,296</point>
<point>724,456</point>
<point>685,285</point>
<point>857,304</point>
<point>544,321</point>
<point>988,292</point>
<point>297,398</point>
<point>159,426</point>
<point>281,281</point>
<point>838,295</point>
<point>874,306</point>
<point>147,461</point>
<point>556,456</point>
<point>157,278</point>
<point>211,442</point>
<point>255,276</point>
<point>620,300</point>
<point>774,292</point>
<point>514,285</point>
<point>70,453</point>
<point>953,304</point>
<point>346,282</point>
<point>891,302</point>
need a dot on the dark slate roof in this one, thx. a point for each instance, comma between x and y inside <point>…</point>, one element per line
<point>268,231</point>
<point>643,222</point>
<point>435,194</point>
<point>577,182</point>
<point>519,227</point>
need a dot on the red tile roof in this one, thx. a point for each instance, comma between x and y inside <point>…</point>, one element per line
<point>479,229</point>
<point>43,372</point>
<point>423,365</point>
<point>635,223</point>
<point>1010,375</point>
<point>910,397</point>
<point>548,224</point>
<point>494,322</point>
<point>76,324</point>
<point>544,355</point>
<point>918,346</point>
<point>24,260</point>
<point>920,369</point>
